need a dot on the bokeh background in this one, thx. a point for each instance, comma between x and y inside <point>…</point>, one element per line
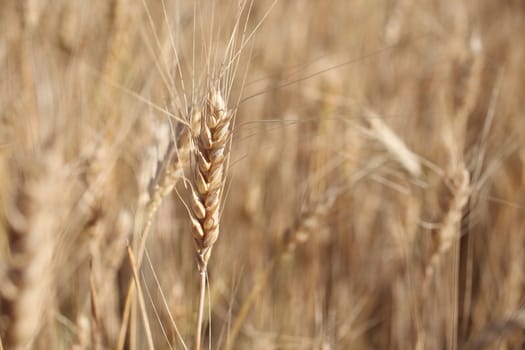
<point>376,185</point>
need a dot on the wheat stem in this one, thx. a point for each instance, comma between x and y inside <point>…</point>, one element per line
<point>210,154</point>
<point>202,294</point>
<point>142,305</point>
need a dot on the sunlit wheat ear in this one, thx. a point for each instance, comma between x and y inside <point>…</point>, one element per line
<point>209,149</point>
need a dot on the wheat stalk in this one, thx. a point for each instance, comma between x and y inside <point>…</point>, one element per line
<point>143,312</point>
<point>210,154</point>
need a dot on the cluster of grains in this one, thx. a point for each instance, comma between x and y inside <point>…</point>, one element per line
<point>208,176</point>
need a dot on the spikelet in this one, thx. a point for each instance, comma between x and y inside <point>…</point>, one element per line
<point>394,145</point>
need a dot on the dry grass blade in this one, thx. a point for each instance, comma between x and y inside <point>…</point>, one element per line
<point>144,314</point>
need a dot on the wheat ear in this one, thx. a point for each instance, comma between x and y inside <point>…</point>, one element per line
<point>209,149</point>
<point>450,231</point>
<point>208,175</point>
<point>167,174</point>
<point>305,225</point>
<point>31,230</point>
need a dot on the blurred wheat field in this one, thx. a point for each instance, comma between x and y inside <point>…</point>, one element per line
<point>373,181</point>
